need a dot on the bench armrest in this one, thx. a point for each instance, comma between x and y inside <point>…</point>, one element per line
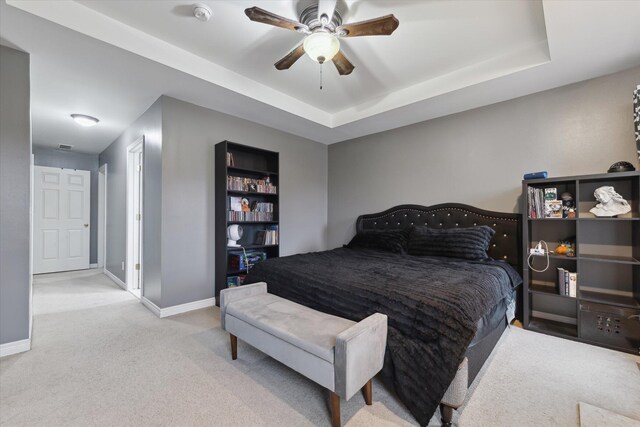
<point>240,292</point>
<point>359,354</point>
<point>457,391</point>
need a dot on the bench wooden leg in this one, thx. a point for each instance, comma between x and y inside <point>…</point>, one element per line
<point>446,415</point>
<point>234,347</point>
<point>334,404</point>
<point>367,391</point>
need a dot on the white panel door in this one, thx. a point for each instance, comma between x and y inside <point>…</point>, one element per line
<point>61,219</point>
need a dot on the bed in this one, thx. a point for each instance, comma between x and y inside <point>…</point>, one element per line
<point>440,310</point>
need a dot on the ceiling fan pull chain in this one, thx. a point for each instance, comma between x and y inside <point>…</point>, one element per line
<point>321,76</point>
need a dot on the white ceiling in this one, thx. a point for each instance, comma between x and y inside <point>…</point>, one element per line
<point>445,57</point>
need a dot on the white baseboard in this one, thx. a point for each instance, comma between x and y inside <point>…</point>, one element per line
<point>177,309</point>
<point>93,265</point>
<point>190,306</point>
<point>151,306</point>
<point>15,347</point>
<point>115,279</point>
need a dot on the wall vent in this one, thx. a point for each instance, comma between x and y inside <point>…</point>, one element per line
<point>65,147</point>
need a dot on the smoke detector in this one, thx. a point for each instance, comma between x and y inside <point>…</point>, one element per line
<point>202,12</point>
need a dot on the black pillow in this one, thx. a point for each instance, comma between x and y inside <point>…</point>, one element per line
<point>387,240</point>
<point>467,242</point>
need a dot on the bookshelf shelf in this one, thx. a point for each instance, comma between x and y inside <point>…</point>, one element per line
<point>253,222</point>
<point>607,264</point>
<point>609,258</point>
<point>552,219</point>
<point>235,169</point>
<point>245,247</point>
<point>251,193</point>
<point>260,168</point>
<point>563,257</point>
<point>588,216</point>
<point>604,298</point>
<point>547,290</point>
<point>235,272</point>
<point>551,327</point>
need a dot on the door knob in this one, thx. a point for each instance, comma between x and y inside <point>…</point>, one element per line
<point>86,225</point>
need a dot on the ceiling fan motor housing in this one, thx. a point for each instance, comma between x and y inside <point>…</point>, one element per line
<point>310,18</point>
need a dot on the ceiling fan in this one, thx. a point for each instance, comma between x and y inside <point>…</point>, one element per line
<point>322,25</point>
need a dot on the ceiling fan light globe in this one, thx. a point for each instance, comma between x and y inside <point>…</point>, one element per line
<point>321,46</point>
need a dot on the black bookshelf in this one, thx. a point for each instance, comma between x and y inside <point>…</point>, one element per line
<point>249,162</point>
<point>607,261</point>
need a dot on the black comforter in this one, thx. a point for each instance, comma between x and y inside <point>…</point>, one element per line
<point>433,305</point>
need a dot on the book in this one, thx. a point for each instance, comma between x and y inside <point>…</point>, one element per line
<point>240,183</point>
<point>561,285</point>
<point>553,208</point>
<point>235,204</point>
<point>573,284</point>
<point>551,193</point>
<point>233,281</point>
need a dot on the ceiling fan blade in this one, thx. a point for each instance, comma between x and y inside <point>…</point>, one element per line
<point>382,26</point>
<point>260,15</point>
<point>326,7</point>
<point>342,64</point>
<point>290,58</point>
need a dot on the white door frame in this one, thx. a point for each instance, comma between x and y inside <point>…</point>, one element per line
<point>134,149</point>
<point>31,209</point>
<point>102,216</point>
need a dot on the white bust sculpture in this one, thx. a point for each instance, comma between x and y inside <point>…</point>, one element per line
<point>611,203</point>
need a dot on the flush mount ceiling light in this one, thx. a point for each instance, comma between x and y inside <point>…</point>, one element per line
<point>84,120</point>
<point>321,46</point>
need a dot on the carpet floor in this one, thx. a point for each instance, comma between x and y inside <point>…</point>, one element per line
<point>101,358</point>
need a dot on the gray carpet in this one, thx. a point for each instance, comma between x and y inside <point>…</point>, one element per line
<point>100,358</point>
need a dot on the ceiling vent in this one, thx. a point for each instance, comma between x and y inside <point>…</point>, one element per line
<point>65,147</point>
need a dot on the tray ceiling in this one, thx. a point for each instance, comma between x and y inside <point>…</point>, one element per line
<point>446,56</point>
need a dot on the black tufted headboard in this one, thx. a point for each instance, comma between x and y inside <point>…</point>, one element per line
<point>506,244</point>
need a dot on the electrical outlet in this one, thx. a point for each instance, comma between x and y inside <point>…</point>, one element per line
<point>122,265</point>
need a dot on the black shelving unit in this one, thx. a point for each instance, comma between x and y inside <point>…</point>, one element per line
<point>249,162</point>
<point>607,261</point>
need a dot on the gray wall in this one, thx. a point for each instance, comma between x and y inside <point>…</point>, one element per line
<point>70,160</point>
<point>478,157</point>
<point>15,191</point>
<point>148,125</point>
<point>189,135</point>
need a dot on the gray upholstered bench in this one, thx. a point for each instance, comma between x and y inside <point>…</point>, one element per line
<point>339,354</point>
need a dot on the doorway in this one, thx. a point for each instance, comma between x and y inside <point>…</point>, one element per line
<point>61,219</point>
<point>135,153</point>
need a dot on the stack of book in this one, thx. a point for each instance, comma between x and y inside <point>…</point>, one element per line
<point>567,283</point>
<point>269,236</point>
<point>239,216</point>
<point>239,210</point>
<point>262,207</point>
<point>544,203</point>
<point>230,161</point>
<point>240,183</point>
